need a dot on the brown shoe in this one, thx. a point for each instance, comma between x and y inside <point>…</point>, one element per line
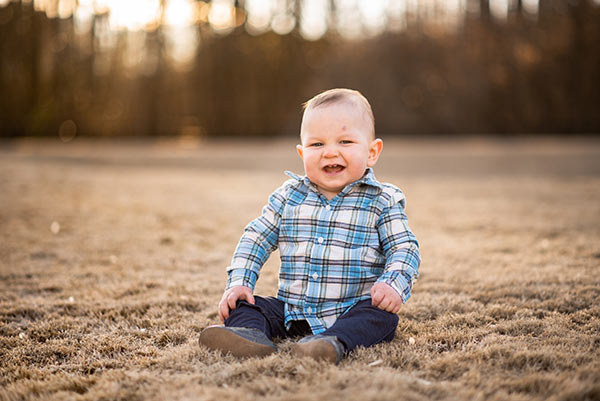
<point>241,342</point>
<point>319,347</point>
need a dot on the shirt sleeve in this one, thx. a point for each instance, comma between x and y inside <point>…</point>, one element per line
<point>259,240</point>
<point>400,247</point>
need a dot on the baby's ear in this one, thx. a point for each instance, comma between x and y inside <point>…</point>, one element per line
<point>299,150</point>
<point>374,151</point>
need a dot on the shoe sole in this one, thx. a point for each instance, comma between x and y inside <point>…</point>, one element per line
<point>319,350</point>
<point>221,339</point>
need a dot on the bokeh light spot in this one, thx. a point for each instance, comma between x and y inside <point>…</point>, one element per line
<point>67,131</point>
<point>55,227</point>
<point>221,16</point>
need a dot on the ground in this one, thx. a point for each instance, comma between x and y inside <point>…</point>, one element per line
<point>113,257</point>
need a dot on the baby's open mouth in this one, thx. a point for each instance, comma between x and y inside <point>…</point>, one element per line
<point>333,168</point>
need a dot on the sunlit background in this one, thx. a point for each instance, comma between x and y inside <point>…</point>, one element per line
<point>353,19</point>
<point>225,67</point>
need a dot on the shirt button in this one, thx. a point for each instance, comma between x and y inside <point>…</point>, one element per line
<point>315,275</point>
<point>309,310</point>
<point>328,207</point>
<point>320,240</point>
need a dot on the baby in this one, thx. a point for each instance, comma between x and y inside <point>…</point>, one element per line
<point>348,257</point>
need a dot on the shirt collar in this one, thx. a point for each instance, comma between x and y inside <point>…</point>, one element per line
<point>300,178</point>
<point>368,178</point>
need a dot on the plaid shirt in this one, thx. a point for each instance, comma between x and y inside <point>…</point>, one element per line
<point>332,251</point>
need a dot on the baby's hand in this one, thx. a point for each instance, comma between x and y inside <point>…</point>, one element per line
<point>230,298</point>
<point>386,298</point>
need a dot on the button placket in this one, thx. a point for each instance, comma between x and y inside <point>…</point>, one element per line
<point>325,215</point>
<point>318,252</point>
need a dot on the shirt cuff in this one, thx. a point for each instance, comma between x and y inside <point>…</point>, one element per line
<point>244,277</point>
<point>398,282</point>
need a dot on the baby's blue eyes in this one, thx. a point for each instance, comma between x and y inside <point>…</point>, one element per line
<point>317,144</point>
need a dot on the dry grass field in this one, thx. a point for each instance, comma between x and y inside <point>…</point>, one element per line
<point>113,259</point>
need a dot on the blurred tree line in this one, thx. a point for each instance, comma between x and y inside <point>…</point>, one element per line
<point>524,74</point>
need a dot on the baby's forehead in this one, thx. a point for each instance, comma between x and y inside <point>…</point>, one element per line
<point>350,102</point>
<point>354,108</point>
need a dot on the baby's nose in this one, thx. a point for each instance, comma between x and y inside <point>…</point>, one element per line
<point>330,151</point>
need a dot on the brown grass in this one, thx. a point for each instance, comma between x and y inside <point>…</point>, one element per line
<point>110,305</point>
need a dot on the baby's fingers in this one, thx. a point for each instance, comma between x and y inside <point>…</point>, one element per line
<point>223,311</point>
<point>384,304</point>
<point>376,297</point>
<point>232,300</point>
<point>248,297</point>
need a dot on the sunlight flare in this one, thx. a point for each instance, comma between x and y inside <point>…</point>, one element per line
<point>179,13</point>
<point>314,18</point>
<point>260,13</point>
<point>132,14</point>
<point>221,15</point>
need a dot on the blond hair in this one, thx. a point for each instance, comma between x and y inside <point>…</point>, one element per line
<point>341,95</point>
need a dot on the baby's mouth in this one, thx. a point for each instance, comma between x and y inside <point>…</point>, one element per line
<point>333,168</point>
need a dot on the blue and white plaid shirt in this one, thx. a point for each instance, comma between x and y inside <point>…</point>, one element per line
<point>332,251</point>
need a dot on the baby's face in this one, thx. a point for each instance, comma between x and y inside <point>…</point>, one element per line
<point>337,146</point>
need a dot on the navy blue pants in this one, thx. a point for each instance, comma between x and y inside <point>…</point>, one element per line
<point>363,325</point>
